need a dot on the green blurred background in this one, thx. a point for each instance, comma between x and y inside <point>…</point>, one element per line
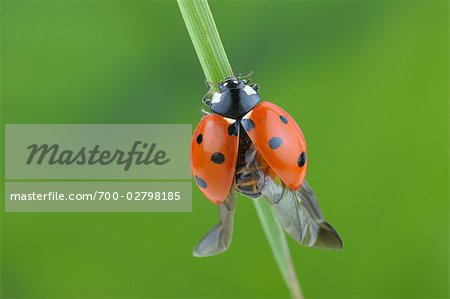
<point>367,82</point>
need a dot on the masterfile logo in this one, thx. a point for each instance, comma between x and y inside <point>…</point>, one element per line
<point>141,153</point>
<point>97,151</point>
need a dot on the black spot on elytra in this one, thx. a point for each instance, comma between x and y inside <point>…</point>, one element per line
<point>301,159</point>
<point>200,182</point>
<point>248,124</point>
<point>199,138</point>
<point>275,142</point>
<point>284,119</point>
<point>218,158</point>
<point>233,129</point>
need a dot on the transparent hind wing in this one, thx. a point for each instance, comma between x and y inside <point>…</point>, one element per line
<point>300,215</point>
<point>218,239</point>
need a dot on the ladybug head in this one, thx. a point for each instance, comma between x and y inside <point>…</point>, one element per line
<point>231,83</point>
<point>234,98</point>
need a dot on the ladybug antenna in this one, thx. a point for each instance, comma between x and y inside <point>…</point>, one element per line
<point>208,84</point>
<point>248,77</point>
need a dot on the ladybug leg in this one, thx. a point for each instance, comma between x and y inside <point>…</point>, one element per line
<point>206,100</point>
<point>208,96</point>
<point>255,87</point>
<point>218,239</point>
<point>205,112</point>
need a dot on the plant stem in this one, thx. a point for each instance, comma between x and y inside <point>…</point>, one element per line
<point>205,37</point>
<point>277,240</point>
<point>210,51</point>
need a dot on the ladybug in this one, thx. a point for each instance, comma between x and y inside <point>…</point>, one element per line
<point>257,149</point>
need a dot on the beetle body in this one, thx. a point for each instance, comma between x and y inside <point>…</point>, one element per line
<point>222,139</point>
<point>257,149</point>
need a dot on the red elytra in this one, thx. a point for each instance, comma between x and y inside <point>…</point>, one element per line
<point>275,134</point>
<point>280,141</point>
<point>214,156</point>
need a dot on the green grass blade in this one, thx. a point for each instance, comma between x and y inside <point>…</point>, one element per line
<point>205,37</point>
<point>213,59</point>
<point>277,240</point>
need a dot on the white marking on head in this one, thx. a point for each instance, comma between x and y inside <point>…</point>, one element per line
<point>216,98</point>
<point>248,90</point>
